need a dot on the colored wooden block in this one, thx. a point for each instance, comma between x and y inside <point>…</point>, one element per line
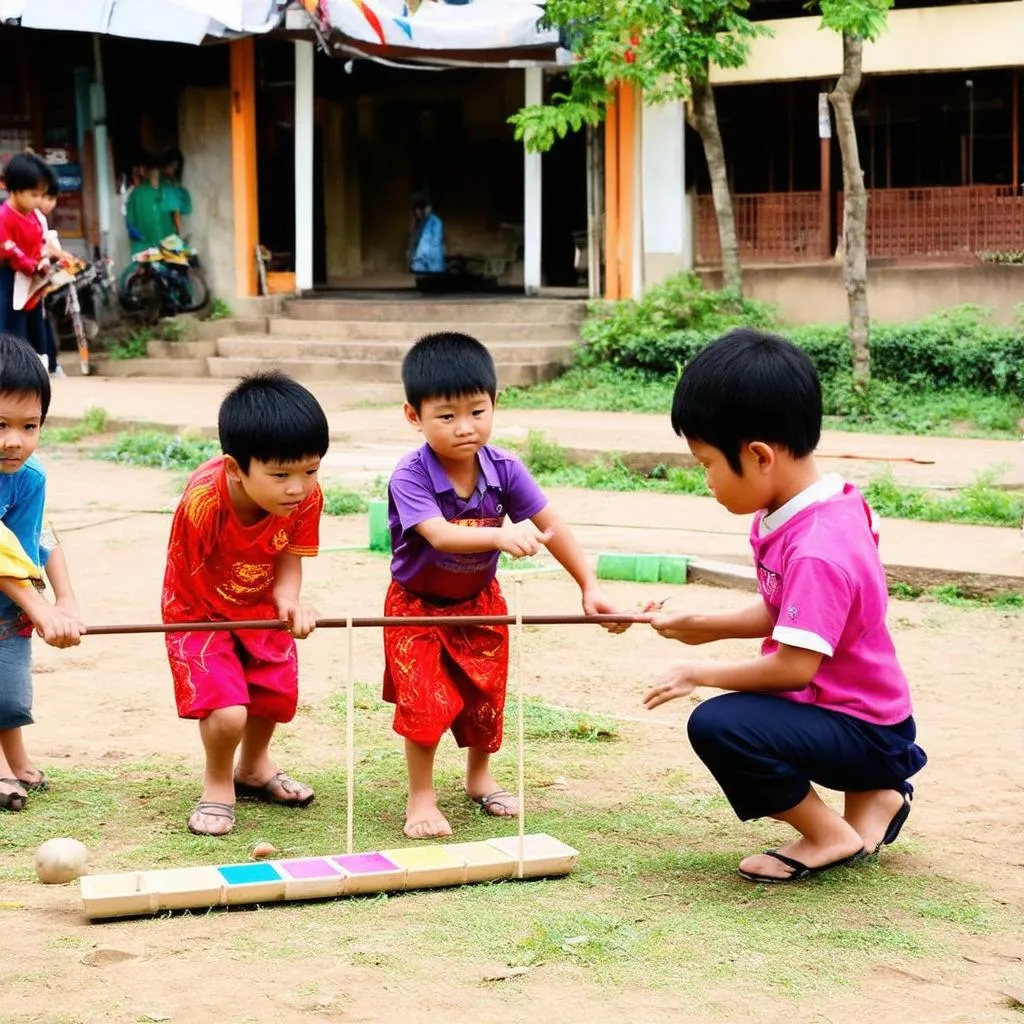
<point>542,855</point>
<point>252,883</point>
<point>673,569</point>
<point>380,533</point>
<point>369,872</point>
<point>427,867</point>
<point>648,568</point>
<point>614,566</point>
<point>180,888</point>
<point>311,878</point>
<point>120,895</point>
<point>484,862</point>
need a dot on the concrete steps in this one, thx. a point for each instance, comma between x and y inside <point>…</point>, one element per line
<point>440,311</point>
<point>362,341</point>
<point>312,369</point>
<point>377,352</point>
<point>408,331</point>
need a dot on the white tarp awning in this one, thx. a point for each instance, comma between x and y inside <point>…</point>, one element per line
<point>434,25</point>
<point>175,21</point>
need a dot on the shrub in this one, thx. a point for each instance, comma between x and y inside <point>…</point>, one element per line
<point>955,348</point>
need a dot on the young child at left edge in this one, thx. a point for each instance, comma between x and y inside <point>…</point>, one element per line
<point>27,549</point>
<point>245,522</point>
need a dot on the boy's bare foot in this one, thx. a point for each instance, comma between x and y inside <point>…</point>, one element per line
<point>810,855</point>
<point>423,818</point>
<point>874,812</point>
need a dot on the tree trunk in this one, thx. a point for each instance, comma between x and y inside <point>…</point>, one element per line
<point>704,119</point>
<point>855,212</point>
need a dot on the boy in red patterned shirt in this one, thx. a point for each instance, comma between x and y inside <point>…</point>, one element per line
<point>244,524</point>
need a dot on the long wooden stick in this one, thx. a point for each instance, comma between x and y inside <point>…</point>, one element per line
<point>451,621</point>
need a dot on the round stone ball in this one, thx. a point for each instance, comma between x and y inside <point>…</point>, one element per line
<point>61,860</point>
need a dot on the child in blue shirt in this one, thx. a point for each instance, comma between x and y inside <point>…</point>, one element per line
<point>27,550</point>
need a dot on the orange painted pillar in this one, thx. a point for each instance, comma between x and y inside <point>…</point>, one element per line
<point>611,202</point>
<point>627,186</point>
<point>243,164</point>
<point>620,192</point>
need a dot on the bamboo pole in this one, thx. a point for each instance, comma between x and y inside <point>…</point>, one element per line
<point>449,621</point>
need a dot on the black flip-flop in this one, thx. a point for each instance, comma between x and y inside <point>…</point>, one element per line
<point>41,785</point>
<point>800,870</point>
<point>13,801</point>
<point>895,826</point>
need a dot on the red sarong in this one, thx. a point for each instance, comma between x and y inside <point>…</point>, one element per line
<point>443,678</point>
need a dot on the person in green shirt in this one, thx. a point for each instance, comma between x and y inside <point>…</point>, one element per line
<point>176,196</point>
<point>148,212</point>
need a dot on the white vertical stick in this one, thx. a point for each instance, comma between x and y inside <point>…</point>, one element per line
<point>520,719</point>
<point>304,174</point>
<point>350,733</point>
<point>532,193</point>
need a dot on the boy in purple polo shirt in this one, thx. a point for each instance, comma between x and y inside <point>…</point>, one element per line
<point>447,507</point>
<point>827,702</point>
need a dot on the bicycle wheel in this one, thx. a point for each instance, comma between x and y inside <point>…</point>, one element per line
<point>198,291</point>
<point>142,296</point>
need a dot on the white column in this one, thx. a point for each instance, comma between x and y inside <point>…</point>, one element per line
<point>666,228</point>
<point>104,186</point>
<point>303,165</point>
<point>532,194</point>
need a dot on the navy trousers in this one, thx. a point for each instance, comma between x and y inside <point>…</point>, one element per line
<point>28,324</point>
<point>766,751</point>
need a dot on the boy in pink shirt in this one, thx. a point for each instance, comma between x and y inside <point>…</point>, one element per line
<point>827,702</point>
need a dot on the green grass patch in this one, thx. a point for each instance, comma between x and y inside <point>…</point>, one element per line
<point>979,503</point>
<point>892,407</point>
<point>956,597</point>
<point>134,346</point>
<point>93,422</point>
<point>157,449</point>
<point>656,902</point>
<point>341,502</point>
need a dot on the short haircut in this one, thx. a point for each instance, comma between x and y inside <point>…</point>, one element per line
<point>749,386</point>
<point>270,417</point>
<point>22,372</point>
<point>447,365</point>
<point>23,172</point>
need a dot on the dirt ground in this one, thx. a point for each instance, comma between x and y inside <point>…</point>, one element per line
<point>109,701</point>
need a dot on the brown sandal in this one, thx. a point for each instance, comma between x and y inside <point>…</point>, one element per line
<point>16,799</point>
<point>217,811</point>
<point>278,789</point>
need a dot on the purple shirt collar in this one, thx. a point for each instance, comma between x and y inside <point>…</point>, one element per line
<point>439,478</point>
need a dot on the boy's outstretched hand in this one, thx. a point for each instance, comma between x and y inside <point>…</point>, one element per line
<point>521,540</point>
<point>60,625</point>
<point>676,681</point>
<point>301,618</point>
<point>595,603</point>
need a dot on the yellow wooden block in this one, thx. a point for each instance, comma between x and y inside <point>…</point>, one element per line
<point>542,855</point>
<point>181,888</point>
<point>484,862</point>
<point>427,867</point>
<point>120,895</point>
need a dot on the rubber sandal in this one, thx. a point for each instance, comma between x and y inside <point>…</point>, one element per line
<point>800,870</point>
<point>896,825</point>
<point>41,785</point>
<point>14,801</point>
<point>501,799</point>
<point>278,789</point>
<point>212,809</point>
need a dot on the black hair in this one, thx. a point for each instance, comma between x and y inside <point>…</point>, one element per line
<point>447,365</point>
<point>49,177</point>
<point>270,417</point>
<point>173,156</point>
<point>22,371</point>
<point>24,171</point>
<point>749,386</point>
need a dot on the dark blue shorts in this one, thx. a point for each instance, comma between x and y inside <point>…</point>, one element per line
<point>766,751</point>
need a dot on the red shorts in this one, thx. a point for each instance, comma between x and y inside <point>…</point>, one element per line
<point>255,668</point>
<point>442,678</point>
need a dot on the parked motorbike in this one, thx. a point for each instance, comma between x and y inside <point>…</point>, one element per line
<point>162,281</point>
<point>71,317</point>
